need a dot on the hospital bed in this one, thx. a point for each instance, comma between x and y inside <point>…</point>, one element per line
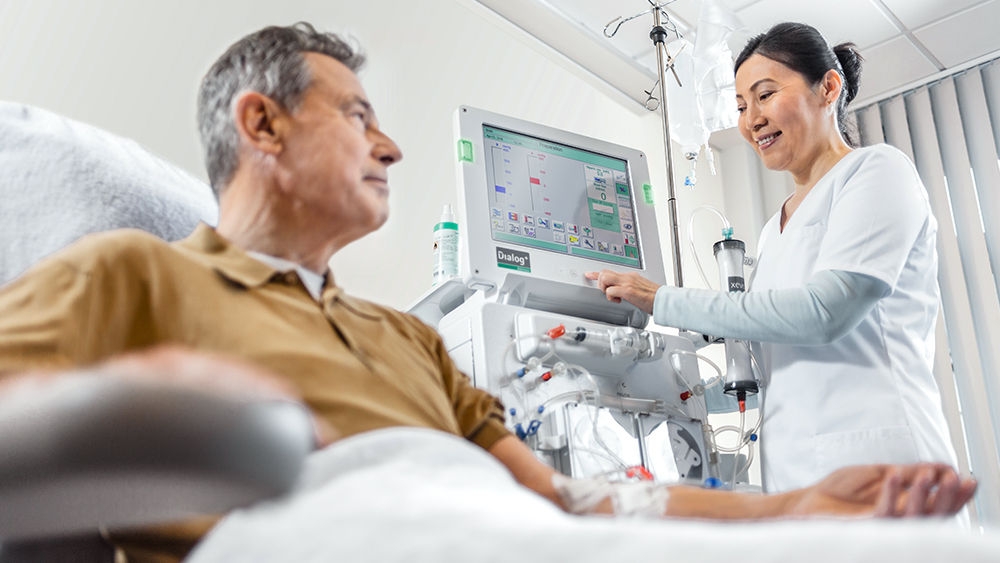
<point>390,495</point>
<point>418,495</point>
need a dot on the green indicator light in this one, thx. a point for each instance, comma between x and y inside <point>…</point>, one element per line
<point>464,150</point>
<point>647,193</point>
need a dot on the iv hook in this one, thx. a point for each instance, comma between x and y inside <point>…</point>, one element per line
<point>621,20</point>
<point>652,103</point>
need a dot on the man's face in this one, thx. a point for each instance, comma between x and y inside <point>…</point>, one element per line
<point>334,157</point>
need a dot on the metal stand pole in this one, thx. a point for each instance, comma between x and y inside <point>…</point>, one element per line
<point>640,435</point>
<point>659,36</point>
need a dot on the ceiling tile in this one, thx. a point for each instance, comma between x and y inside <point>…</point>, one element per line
<point>632,38</point>
<point>963,37</point>
<point>844,20</point>
<point>916,13</point>
<point>889,66</point>
<point>959,31</point>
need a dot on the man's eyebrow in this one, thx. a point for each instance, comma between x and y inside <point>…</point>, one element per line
<point>358,100</point>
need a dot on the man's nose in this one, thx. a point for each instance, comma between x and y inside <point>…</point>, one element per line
<point>385,149</point>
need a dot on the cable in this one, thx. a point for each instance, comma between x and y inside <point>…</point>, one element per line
<point>694,250</point>
<point>706,359</point>
<point>736,456</point>
<point>704,384</point>
<point>744,436</point>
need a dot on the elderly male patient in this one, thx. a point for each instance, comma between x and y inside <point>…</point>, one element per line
<point>300,167</point>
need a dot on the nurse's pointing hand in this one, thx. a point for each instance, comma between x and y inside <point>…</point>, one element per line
<point>630,287</point>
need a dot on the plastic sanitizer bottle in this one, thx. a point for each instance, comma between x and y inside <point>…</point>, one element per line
<point>445,246</point>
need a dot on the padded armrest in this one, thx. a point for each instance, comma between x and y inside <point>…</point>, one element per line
<point>84,451</point>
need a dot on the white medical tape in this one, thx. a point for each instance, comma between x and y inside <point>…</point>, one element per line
<point>631,499</point>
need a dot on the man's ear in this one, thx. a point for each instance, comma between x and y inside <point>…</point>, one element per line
<point>260,122</point>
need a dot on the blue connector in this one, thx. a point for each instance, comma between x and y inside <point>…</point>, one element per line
<point>533,427</point>
<point>541,409</point>
<point>512,411</point>
<point>727,233</point>
<point>753,437</point>
<point>521,372</point>
<point>713,483</point>
<point>519,430</point>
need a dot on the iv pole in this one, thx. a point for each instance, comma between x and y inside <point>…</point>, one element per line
<point>659,37</point>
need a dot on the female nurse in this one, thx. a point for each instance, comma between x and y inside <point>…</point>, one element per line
<point>844,298</point>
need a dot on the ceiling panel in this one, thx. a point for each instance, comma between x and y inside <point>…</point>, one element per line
<point>843,20</point>
<point>952,31</point>
<point>632,38</point>
<point>583,46</point>
<point>890,65</point>
<point>917,13</point>
<point>964,36</point>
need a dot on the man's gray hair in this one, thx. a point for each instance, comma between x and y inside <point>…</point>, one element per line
<point>271,62</point>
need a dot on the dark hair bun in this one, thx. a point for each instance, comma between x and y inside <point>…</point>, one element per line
<point>850,62</point>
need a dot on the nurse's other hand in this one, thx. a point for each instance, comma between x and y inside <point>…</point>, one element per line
<point>631,287</point>
<point>886,491</point>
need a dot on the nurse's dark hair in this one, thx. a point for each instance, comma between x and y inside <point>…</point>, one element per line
<point>271,62</point>
<point>803,49</point>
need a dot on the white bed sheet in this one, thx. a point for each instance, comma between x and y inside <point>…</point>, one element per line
<point>416,495</point>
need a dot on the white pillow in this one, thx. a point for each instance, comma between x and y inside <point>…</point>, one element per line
<point>61,179</point>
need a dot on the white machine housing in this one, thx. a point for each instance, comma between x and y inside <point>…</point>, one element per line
<point>636,406</point>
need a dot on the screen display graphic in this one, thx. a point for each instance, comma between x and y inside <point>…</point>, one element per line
<point>560,198</point>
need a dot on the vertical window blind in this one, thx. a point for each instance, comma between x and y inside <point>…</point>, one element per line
<point>951,131</point>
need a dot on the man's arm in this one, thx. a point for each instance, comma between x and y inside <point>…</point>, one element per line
<point>525,467</point>
<point>861,491</point>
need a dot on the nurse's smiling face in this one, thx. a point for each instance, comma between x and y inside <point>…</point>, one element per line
<point>788,121</point>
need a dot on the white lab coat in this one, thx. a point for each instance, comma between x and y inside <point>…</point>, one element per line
<point>869,397</point>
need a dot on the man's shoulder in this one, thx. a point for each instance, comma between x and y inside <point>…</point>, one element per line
<point>124,238</point>
<point>121,241</point>
<point>115,249</point>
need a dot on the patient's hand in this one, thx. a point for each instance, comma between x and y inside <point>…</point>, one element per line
<point>886,491</point>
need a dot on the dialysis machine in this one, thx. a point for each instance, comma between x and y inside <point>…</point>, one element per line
<point>585,385</point>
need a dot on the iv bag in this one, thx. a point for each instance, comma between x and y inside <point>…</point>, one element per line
<point>687,124</point>
<point>714,65</point>
<point>706,99</point>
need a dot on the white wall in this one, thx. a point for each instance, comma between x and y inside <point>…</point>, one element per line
<point>133,67</point>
